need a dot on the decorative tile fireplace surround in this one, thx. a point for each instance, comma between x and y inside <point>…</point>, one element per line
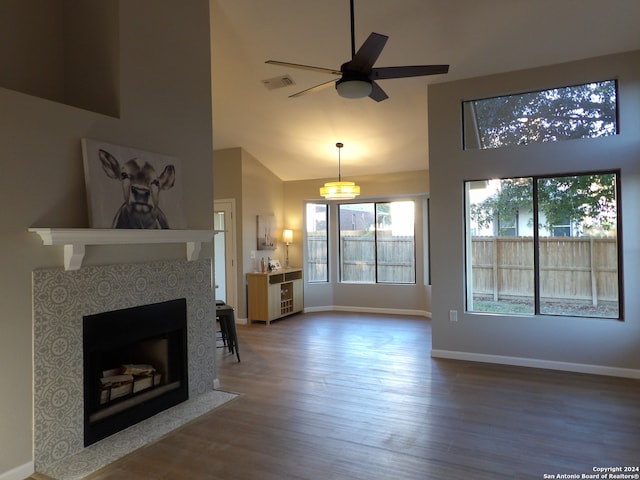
<point>61,299</point>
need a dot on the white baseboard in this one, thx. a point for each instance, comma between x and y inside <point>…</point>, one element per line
<point>386,311</point>
<point>537,363</point>
<point>19,473</point>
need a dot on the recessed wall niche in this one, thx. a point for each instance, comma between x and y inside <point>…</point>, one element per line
<point>66,51</point>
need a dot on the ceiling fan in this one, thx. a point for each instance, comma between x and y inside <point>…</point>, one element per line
<point>358,76</point>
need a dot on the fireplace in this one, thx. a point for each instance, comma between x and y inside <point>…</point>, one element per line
<point>135,365</point>
<point>61,301</point>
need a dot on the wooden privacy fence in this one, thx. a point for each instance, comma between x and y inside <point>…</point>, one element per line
<point>316,257</point>
<point>395,259</point>
<point>574,269</point>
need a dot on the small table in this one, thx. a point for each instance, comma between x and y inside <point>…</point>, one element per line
<point>226,317</point>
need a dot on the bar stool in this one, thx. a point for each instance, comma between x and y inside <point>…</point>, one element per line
<point>226,317</point>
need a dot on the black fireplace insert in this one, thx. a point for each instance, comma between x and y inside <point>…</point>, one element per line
<point>135,365</point>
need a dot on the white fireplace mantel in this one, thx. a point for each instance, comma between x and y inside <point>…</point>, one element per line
<point>74,240</point>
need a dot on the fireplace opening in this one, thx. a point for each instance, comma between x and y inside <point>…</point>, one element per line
<point>135,366</point>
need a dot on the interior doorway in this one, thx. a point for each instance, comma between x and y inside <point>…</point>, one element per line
<point>225,270</point>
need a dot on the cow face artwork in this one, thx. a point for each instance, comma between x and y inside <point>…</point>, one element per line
<point>141,187</point>
<point>126,186</point>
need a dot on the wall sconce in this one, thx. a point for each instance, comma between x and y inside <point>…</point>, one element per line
<point>287,238</point>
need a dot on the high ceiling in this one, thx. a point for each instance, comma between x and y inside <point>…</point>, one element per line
<point>295,137</point>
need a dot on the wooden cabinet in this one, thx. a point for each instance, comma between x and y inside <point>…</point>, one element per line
<point>274,295</point>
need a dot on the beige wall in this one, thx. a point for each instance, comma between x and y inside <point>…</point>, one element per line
<point>227,184</point>
<point>334,295</point>
<point>566,342</point>
<point>263,193</point>
<point>165,106</point>
<point>257,191</point>
<point>96,23</point>
<point>33,46</point>
<point>42,55</point>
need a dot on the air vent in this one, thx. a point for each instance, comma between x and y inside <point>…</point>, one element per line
<point>278,82</point>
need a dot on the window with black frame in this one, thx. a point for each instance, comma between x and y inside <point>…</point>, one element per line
<point>377,242</point>
<point>564,258</point>
<point>589,110</point>
<point>317,264</point>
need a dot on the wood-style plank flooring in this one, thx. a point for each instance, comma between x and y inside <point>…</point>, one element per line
<point>341,396</point>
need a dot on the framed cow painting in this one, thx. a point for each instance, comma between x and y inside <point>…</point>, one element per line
<point>131,188</point>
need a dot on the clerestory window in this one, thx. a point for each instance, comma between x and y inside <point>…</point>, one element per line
<point>582,111</point>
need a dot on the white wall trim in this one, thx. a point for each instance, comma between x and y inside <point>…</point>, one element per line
<point>538,363</point>
<point>386,311</point>
<point>19,473</point>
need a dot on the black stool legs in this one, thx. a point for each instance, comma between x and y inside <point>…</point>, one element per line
<point>226,317</point>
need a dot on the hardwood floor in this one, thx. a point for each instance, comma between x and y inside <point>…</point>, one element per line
<point>341,396</point>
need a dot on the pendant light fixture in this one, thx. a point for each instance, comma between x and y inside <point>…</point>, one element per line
<point>339,190</point>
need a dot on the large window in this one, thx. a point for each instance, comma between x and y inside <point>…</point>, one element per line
<point>317,242</point>
<point>561,258</point>
<point>377,242</point>
<point>580,111</point>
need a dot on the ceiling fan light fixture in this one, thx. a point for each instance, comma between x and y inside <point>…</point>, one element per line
<point>339,190</point>
<point>354,88</point>
<point>358,75</point>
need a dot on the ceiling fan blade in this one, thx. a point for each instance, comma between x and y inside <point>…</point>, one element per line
<point>317,88</point>
<point>304,67</point>
<point>368,53</point>
<point>408,71</point>
<point>377,93</point>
